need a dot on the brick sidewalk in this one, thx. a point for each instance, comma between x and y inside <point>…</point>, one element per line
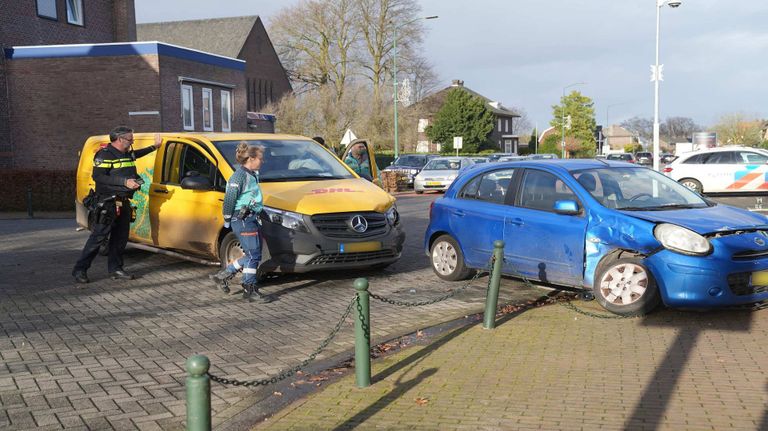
<point>553,369</point>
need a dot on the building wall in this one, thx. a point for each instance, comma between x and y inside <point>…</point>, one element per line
<point>5,132</point>
<point>59,102</point>
<point>266,78</point>
<point>172,68</point>
<point>20,24</point>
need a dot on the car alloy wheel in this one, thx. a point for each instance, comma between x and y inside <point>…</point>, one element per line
<point>691,184</point>
<point>447,259</point>
<point>626,287</point>
<point>624,284</point>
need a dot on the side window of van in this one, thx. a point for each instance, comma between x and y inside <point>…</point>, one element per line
<point>721,158</point>
<point>182,161</point>
<point>750,158</point>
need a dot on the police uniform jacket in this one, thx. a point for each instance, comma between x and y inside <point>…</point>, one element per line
<point>111,169</point>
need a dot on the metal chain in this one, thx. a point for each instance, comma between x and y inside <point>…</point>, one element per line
<point>567,304</point>
<point>283,374</point>
<point>438,299</point>
<point>366,329</point>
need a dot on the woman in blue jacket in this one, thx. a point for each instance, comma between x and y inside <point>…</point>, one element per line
<point>242,204</point>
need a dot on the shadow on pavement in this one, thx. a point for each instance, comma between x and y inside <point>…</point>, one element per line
<point>657,395</point>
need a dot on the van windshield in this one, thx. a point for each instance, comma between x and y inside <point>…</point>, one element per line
<point>290,160</point>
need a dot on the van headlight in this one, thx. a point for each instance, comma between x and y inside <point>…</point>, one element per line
<point>286,219</point>
<point>392,216</point>
<point>681,240</point>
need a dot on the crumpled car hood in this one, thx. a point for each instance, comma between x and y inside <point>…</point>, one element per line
<point>706,220</point>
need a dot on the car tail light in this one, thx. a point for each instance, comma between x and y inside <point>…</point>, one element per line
<point>667,170</point>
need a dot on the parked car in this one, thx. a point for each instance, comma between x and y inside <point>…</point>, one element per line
<point>494,157</point>
<point>310,201</point>
<point>721,170</point>
<point>633,236</point>
<point>513,158</point>
<point>545,156</point>
<point>439,173</point>
<point>644,158</point>
<point>409,165</point>
<point>667,158</point>
<point>480,159</point>
<point>621,157</point>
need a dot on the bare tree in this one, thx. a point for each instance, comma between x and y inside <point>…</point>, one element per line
<point>521,126</point>
<point>739,129</point>
<point>640,127</point>
<point>314,40</point>
<point>377,22</point>
<point>678,129</point>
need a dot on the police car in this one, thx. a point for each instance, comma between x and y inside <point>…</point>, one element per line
<point>722,170</point>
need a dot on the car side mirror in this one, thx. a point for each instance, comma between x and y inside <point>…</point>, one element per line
<point>196,182</point>
<point>566,207</point>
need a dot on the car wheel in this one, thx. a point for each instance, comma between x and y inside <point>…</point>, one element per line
<point>418,192</point>
<point>447,260</point>
<point>626,287</point>
<point>229,250</point>
<point>691,184</point>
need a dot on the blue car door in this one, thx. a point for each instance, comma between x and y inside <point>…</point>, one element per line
<point>477,220</point>
<point>539,242</point>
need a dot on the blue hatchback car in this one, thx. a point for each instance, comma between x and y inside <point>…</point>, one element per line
<point>632,235</point>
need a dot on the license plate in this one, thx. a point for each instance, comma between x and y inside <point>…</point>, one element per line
<point>356,247</point>
<point>434,183</point>
<point>760,278</point>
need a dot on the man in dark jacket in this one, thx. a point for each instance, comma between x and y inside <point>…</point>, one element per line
<point>114,171</point>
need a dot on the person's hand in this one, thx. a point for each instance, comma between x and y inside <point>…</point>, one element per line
<point>132,184</point>
<point>158,140</point>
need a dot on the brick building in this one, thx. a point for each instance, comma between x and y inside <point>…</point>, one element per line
<point>244,38</point>
<point>73,68</point>
<point>502,134</point>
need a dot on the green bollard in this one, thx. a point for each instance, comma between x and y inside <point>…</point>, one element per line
<point>362,335</point>
<point>492,300</point>
<point>198,394</point>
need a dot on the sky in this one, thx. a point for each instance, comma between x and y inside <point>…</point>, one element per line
<point>523,53</point>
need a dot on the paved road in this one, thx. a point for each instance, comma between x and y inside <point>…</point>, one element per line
<point>112,355</point>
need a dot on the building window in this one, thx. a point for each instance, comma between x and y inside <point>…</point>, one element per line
<point>207,109</point>
<point>47,9</point>
<point>423,123</point>
<point>499,124</point>
<point>226,111</point>
<point>506,125</point>
<point>187,108</point>
<point>75,12</point>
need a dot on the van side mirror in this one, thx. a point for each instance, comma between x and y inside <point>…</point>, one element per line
<point>566,207</point>
<point>196,182</point>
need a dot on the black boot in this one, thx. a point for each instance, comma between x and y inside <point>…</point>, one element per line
<point>221,279</point>
<point>251,294</point>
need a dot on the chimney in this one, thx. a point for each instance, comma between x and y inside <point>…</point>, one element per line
<point>124,21</point>
<point>457,83</point>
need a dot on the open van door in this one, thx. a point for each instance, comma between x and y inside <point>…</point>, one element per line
<point>359,156</point>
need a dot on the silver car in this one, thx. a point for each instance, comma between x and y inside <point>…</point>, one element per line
<point>439,173</point>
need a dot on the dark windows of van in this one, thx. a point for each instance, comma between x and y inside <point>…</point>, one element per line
<point>720,158</point>
<point>489,187</point>
<point>183,160</point>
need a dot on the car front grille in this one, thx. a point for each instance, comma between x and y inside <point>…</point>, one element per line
<point>338,225</point>
<point>750,254</point>
<point>739,284</point>
<point>340,258</point>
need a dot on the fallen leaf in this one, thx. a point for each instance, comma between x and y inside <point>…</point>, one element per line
<point>317,378</point>
<point>421,401</point>
<point>419,333</point>
<point>299,373</point>
<point>279,394</point>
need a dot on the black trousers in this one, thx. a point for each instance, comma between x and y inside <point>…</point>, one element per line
<point>118,238</point>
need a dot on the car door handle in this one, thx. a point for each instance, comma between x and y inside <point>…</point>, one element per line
<point>516,221</point>
<point>460,213</point>
<point>161,191</point>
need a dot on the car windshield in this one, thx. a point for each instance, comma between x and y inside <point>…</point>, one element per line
<point>443,165</point>
<point>637,189</point>
<point>290,160</point>
<point>410,161</point>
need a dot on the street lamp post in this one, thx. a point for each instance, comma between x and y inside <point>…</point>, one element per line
<point>656,76</point>
<point>394,71</point>
<point>562,116</point>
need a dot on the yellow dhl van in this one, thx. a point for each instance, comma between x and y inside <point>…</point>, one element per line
<point>318,214</point>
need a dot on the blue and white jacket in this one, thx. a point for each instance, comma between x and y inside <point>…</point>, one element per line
<point>242,190</point>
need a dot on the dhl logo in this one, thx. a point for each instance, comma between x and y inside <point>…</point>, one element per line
<point>333,190</point>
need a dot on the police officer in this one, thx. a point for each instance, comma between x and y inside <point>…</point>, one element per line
<point>114,171</point>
